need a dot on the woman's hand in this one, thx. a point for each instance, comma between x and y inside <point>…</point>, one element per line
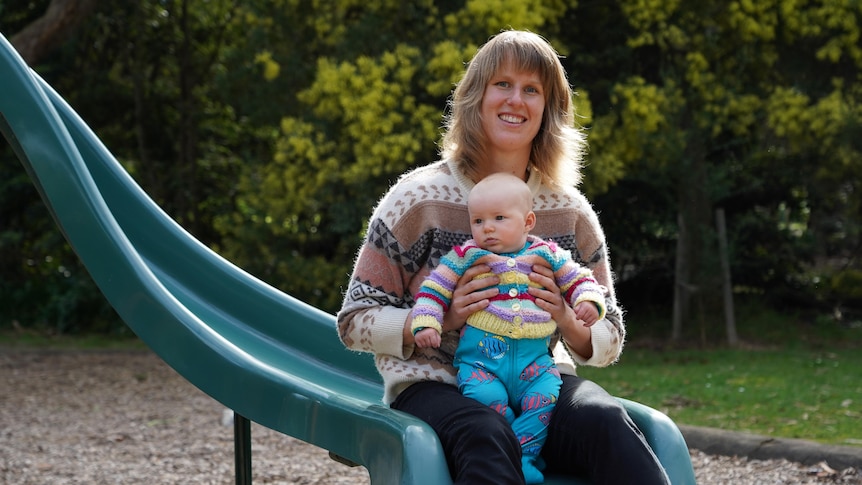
<point>576,334</point>
<point>470,296</point>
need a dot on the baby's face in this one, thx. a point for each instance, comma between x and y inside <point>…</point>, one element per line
<point>498,225</point>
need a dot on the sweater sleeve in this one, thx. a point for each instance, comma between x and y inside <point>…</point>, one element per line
<point>608,334</point>
<point>420,215</point>
<point>578,285</point>
<point>435,294</point>
<point>374,311</point>
<point>376,303</point>
<point>576,282</point>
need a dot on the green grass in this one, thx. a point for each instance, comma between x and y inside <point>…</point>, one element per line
<point>791,377</point>
<point>811,395</point>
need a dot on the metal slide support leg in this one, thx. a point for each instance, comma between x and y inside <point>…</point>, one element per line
<point>242,448</point>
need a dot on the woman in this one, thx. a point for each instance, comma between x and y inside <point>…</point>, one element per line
<point>512,112</point>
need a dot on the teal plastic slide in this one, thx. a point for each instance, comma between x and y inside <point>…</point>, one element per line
<point>270,357</point>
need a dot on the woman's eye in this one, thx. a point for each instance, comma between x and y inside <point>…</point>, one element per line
<point>532,90</point>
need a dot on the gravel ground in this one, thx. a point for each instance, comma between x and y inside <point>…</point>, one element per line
<point>127,418</point>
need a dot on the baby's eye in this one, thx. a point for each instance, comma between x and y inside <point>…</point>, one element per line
<point>500,218</point>
<point>477,221</point>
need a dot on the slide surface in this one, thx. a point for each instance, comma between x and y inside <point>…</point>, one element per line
<point>258,351</point>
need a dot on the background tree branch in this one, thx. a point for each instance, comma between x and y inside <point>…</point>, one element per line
<point>47,32</point>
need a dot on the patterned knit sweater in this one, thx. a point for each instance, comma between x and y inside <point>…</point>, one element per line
<point>418,221</point>
<point>513,312</point>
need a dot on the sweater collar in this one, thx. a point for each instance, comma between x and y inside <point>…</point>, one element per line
<point>534,180</point>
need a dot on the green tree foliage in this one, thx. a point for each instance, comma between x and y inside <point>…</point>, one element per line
<point>140,74</point>
<point>41,280</point>
<point>743,105</point>
<point>269,128</point>
<point>373,110</point>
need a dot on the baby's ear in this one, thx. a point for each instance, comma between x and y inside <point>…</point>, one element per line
<point>530,221</point>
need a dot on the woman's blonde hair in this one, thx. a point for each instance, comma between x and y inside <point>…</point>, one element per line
<point>558,148</point>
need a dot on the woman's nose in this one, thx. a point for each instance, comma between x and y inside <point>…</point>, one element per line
<point>515,97</point>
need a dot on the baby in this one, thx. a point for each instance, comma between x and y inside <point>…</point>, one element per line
<point>512,333</point>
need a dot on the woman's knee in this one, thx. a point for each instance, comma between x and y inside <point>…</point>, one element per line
<point>587,409</point>
<point>595,418</point>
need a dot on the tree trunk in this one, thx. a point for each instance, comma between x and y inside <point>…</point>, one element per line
<point>188,200</point>
<point>729,319</point>
<point>680,290</point>
<point>692,279</point>
<point>50,30</point>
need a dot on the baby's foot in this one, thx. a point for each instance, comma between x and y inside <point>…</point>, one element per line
<point>531,473</point>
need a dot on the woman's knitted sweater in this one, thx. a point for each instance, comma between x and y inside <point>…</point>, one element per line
<point>417,222</point>
<point>513,312</point>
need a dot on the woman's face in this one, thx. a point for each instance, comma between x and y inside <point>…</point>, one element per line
<point>512,110</point>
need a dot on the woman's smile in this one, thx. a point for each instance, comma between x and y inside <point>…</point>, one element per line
<point>512,118</point>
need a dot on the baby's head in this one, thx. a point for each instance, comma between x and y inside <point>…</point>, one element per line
<point>501,213</point>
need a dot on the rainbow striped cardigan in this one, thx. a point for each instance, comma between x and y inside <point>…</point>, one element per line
<point>513,312</point>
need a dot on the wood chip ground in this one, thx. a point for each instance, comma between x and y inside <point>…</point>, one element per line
<point>127,418</point>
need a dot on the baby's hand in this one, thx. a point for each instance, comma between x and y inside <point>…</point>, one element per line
<point>427,337</point>
<point>587,312</point>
